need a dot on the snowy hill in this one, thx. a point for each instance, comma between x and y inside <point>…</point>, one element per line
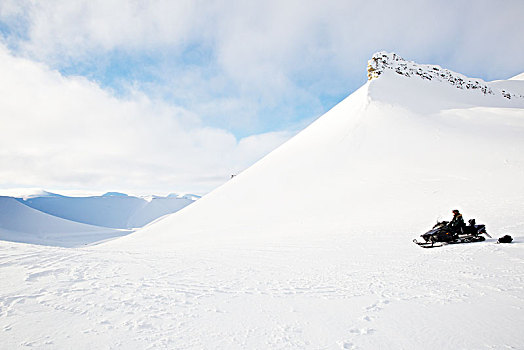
<point>20,223</point>
<point>383,61</point>
<point>114,210</point>
<point>41,217</point>
<point>518,77</point>
<point>27,193</point>
<point>311,248</point>
<point>393,156</point>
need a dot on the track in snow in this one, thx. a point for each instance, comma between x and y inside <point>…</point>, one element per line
<point>286,295</point>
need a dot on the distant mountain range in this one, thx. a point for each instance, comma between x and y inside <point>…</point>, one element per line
<point>43,217</point>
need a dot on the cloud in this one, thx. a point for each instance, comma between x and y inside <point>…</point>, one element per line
<point>174,85</point>
<point>270,35</point>
<point>68,132</point>
<point>265,58</point>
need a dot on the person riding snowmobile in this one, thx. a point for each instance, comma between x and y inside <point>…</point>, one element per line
<point>457,223</point>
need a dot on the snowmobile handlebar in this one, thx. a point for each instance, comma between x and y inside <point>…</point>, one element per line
<point>441,223</point>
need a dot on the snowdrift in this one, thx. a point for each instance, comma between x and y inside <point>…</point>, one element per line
<point>406,147</point>
<point>41,217</point>
<point>20,223</point>
<point>115,210</point>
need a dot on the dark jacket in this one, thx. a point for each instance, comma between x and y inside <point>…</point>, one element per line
<point>457,222</point>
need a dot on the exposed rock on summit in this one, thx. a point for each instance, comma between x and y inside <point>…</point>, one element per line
<point>381,61</point>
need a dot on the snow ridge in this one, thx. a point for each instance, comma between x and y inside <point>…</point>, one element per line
<point>381,61</point>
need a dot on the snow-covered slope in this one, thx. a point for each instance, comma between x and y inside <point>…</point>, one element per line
<point>383,61</point>
<point>518,77</point>
<point>311,247</point>
<point>41,217</point>
<point>27,193</point>
<point>114,210</point>
<point>19,223</point>
<point>391,157</point>
<point>157,207</point>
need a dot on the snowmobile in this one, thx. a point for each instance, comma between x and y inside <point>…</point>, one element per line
<point>441,234</point>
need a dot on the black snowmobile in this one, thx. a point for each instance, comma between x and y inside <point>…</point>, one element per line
<point>442,234</point>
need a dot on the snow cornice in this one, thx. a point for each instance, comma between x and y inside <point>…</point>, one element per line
<point>381,61</point>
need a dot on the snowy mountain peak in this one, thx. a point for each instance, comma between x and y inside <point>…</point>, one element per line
<point>518,77</point>
<point>188,196</point>
<point>382,61</point>
<point>27,193</point>
<point>114,194</point>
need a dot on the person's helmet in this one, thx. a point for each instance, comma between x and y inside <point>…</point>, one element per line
<point>455,211</point>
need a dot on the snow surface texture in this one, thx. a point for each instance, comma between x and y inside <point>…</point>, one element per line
<point>310,247</point>
<point>42,217</point>
<point>323,293</point>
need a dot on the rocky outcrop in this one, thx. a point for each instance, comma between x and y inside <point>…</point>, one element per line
<point>381,61</point>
